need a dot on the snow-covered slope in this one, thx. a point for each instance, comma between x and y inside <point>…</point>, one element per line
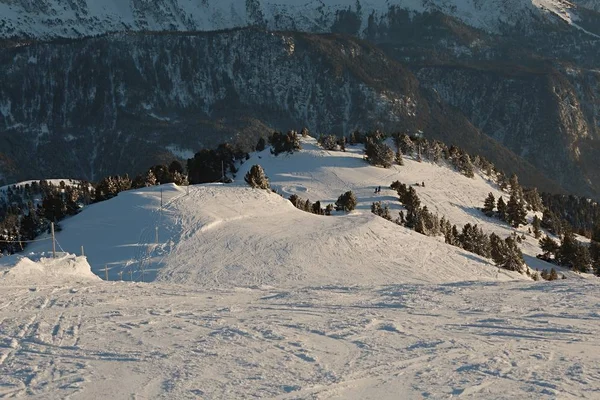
<point>52,18</point>
<point>232,235</point>
<point>321,330</point>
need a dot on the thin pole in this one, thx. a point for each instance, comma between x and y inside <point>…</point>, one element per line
<point>156,235</point>
<point>222,171</point>
<point>105,272</point>
<point>82,252</point>
<point>161,198</point>
<point>121,275</point>
<point>53,240</point>
<point>130,274</point>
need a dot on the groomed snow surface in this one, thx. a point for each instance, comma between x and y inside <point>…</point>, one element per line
<point>254,298</point>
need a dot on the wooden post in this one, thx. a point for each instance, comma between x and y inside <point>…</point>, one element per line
<point>53,240</point>
<point>105,272</point>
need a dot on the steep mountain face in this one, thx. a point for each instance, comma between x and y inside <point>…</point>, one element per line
<point>66,108</point>
<point>540,116</point>
<point>77,18</point>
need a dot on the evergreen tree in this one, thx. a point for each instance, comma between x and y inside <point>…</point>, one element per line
<point>515,211</point>
<point>582,261</point>
<point>536,224</point>
<point>549,247</point>
<point>256,178</point>
<point>328,142</point>
<point>379,154</point>
<point>399,160</point>
<point>532,197</point>
<point>346,202</point>
<point>261,145</point>
<point>502,212</point>
<point>568,250</point>
<point>381,210</point>
<point>316,208</point>
<point>489,205</point>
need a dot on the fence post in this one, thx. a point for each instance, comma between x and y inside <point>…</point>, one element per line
<point>53,240</point>
<point>105,272</point>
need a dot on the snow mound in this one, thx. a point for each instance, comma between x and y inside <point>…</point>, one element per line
<point>41,269</point>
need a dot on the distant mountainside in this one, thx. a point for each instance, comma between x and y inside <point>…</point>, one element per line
<point>53,18</point>
<point>522,72</point>
<point>68,109</point>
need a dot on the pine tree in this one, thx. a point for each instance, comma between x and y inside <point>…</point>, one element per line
<point>549,247</point>
<point>568,250</point>
<point>515,211</point>
<point>536,223</point>
<point>582,261</point>
<point>399,160</point>
<point>256,178</point>
<point>502,214</point>
<point>346,202</point>
<point>379,154</point>
<point>261,145</point>
<point>489,205</point>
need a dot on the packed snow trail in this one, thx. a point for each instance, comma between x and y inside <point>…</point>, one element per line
<point>525,340</point>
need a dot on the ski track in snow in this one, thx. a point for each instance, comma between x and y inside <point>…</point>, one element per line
<point>521,340</point>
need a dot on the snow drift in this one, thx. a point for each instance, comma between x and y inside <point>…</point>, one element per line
<point>42,269</point>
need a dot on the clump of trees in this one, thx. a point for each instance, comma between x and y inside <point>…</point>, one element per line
<point>256,178</point>
<point>213,165</point>
<point>346,202</point>
<point>284,143</point>
<point>378,154</point>
<point>313,208</point>
<point>570,253</point>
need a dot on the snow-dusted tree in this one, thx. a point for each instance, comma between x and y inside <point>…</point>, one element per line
<point>381,210</point>
<point>328,142</point>
<point>346,202</point>
<point>488,205</point>
<point>304,132</point>
<point>256,178</point>
<point>379,154</point>
<point>398,158</point>
<point>532,197</point>
<point>515,211</point>
<point>549,247</point>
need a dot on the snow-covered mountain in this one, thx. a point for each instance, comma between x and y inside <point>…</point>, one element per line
<point>232,235</point>
<point>51,18</point>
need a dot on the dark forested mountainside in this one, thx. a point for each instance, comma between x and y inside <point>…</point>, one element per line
<point>521,73</point>
<point>68,108</point>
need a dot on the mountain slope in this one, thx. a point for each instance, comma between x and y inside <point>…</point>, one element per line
<point>50,18</point>
<point>236,236</point>
<point>206,89</point>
